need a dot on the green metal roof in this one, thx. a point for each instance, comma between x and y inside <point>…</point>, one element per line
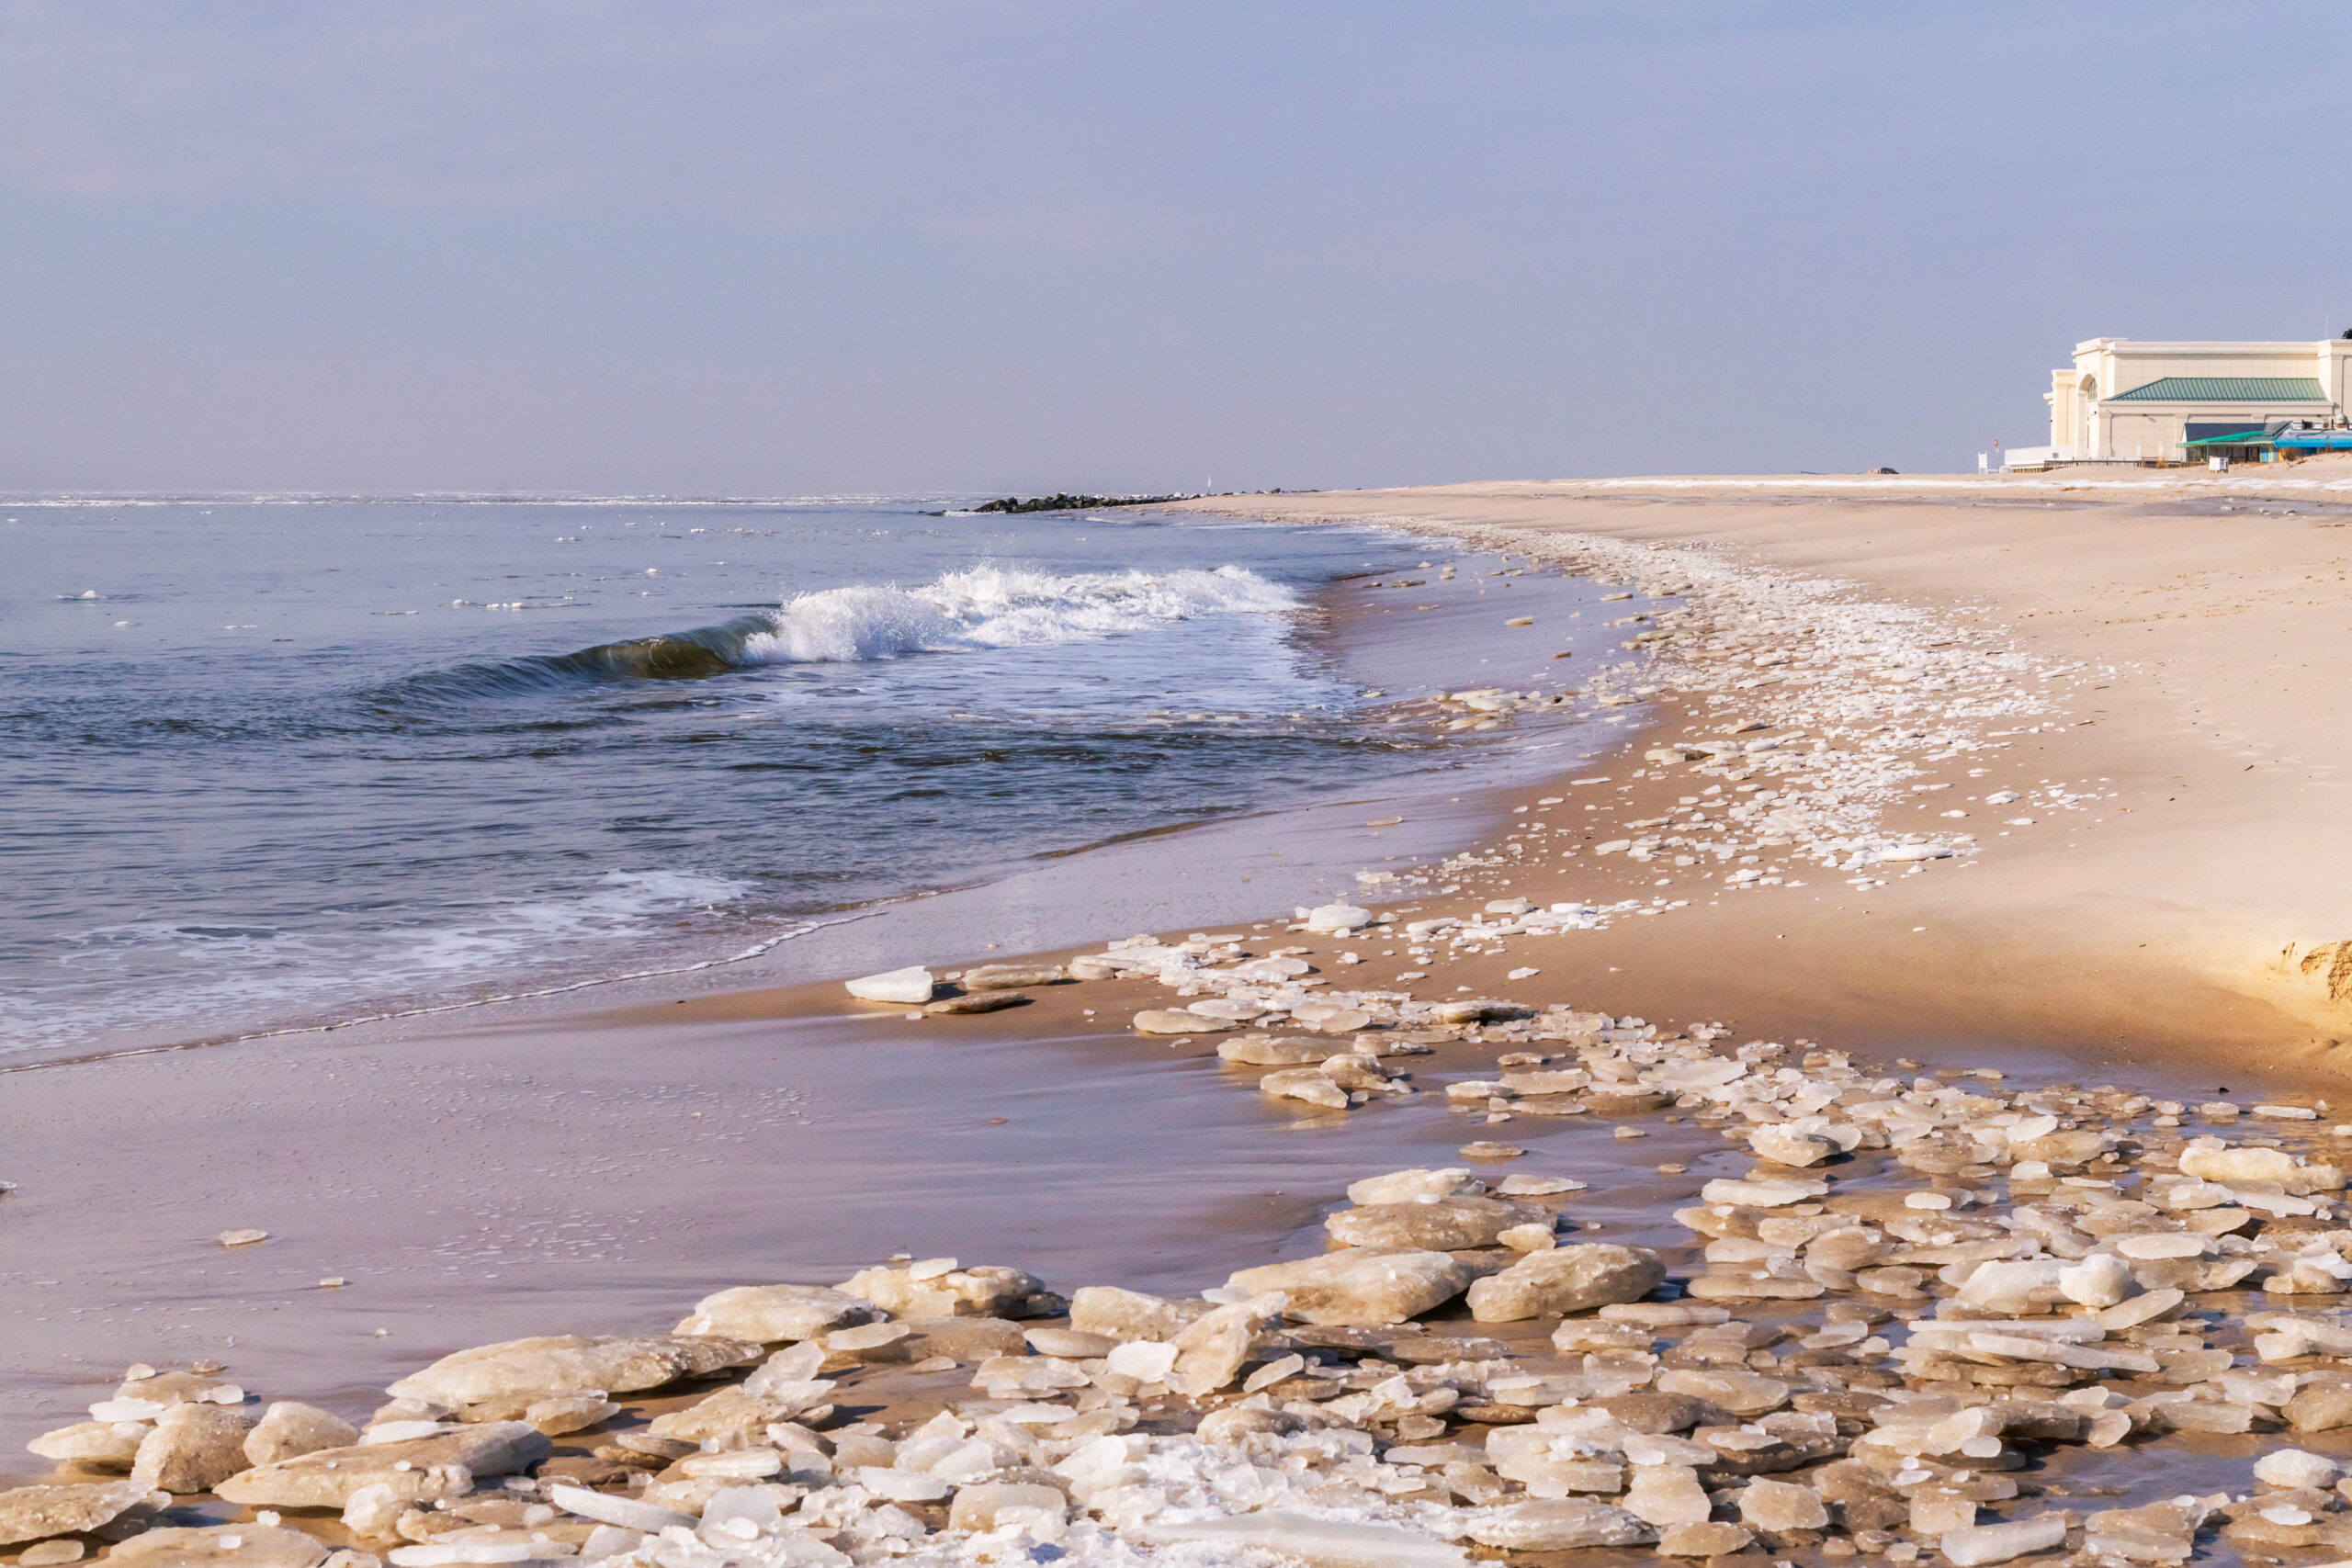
<point>2237,438</point>
<point>2227,389</point>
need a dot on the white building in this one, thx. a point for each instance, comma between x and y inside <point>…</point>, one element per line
<point>2122,400</point>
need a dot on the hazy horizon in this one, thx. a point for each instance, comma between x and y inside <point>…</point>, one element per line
<point>892,248</point>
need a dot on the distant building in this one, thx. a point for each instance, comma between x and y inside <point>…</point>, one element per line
<point>2124,402</point>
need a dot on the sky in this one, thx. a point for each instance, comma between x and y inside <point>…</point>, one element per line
<point>897,246</point>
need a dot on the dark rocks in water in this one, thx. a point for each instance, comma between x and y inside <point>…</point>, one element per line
<point>1065,503</point>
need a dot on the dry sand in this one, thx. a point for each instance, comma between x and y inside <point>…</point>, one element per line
<point>478,1177</point>
<point>2200,913</point>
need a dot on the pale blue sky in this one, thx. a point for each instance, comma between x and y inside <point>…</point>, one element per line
<point>700,246</point>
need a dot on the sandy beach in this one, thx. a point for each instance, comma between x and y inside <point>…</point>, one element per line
<point>2196,908</point>
<point>2032,775</point>
<point>797,787</point>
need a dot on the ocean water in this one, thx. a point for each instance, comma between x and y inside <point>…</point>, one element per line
<point>282,762</point>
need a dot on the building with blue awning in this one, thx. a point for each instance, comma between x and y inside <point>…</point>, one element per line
<point>2125,401</point>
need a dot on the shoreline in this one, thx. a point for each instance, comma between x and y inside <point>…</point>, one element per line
<point>1724,966</point>
<point>196,1089</point>
<point>1060,894</point>
<point>598,1171</point>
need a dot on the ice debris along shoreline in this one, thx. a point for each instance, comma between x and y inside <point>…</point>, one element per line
<point>1887,1337</point>
<point>1822,718</point>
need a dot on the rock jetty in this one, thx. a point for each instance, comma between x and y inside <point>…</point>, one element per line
<point>1062,501</point>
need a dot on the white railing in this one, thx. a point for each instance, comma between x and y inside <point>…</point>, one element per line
<point>2036,456</point>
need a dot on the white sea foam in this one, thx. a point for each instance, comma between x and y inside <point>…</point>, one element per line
<point>219,970</point>
<point>1000,607</point>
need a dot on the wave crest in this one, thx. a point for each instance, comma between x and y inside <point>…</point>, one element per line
<point>989,606</point>
<point>986,606</point>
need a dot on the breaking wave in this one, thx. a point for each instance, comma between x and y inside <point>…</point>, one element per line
<point>996,606</point>
<point>985,606</point>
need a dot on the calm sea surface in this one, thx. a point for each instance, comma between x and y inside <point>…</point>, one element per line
<point>274,762</point>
